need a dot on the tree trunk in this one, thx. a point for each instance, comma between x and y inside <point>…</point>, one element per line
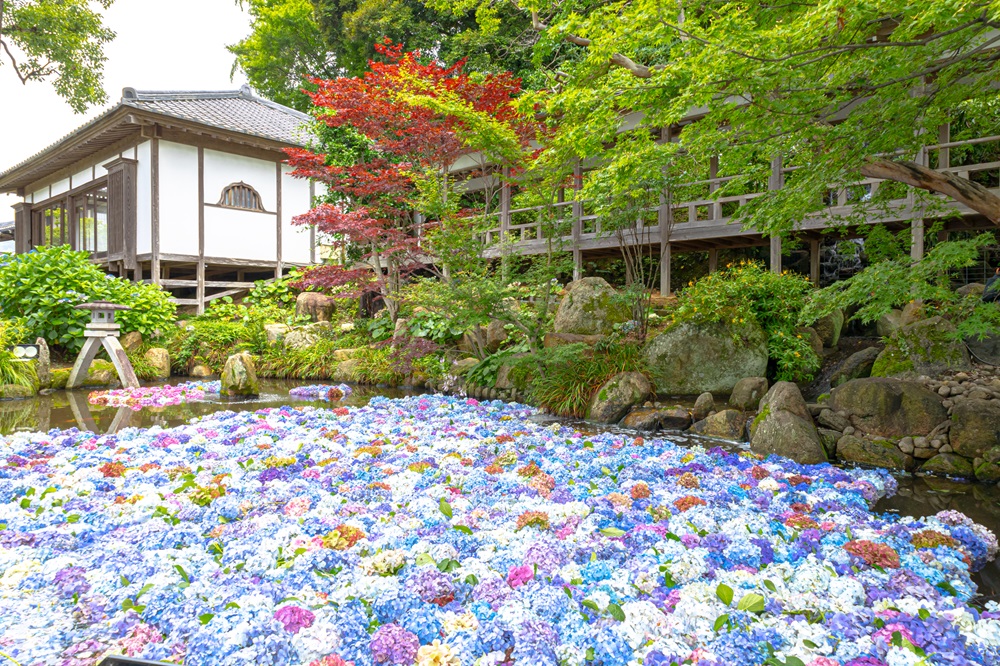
<point>964,191</point>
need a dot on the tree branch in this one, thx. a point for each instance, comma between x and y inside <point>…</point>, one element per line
<point>640,71</point>
<point>967,192</point>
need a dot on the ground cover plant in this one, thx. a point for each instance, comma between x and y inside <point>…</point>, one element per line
<point>444,531</point>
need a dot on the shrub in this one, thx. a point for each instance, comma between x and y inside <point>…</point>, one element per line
<point>12,370</point>
<point>212,342</point>
<point>39,289</point>
<point>748,291</point>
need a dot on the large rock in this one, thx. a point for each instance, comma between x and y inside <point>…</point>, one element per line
<point>812,337</point>
<point>692,358</point>
<point>889,407</point>
<point>346,353</point>
<point>44,366</point>
<point>617,395</point>
<point>888,323</point>
<point>560,339</point>
<point>299,339</point>
<point>727,424</point>
<point>877,454</point>
<point>829,328</point>
<point>16,392</point>
<point>131,341</point>
<point>703,406</point>
<point>591,306</point>
<point>239,377</point>
<point>856,366</point>
<point>101,373</point>
<point>974,289</point>
<point>925,347</point>
<point>199,370</point>
<point>975,427</point>
<point>642,419</point>
<point>496,335</point>
<point>347,371</point>
<point>948,464</point>
<point>159,358</point>
<point>473,341</point>
<point>747,393</point>
<point>784,427</point>
<point>276,332</point>
<point>315,306</point>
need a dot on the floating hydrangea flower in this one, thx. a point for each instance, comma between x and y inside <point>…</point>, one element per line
<point>321,392</point>
<point>391,644</point>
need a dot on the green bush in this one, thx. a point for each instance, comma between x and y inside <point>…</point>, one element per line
<point>12,370</point>
<point>39,289</point>
<point>748,291</point>
<point>211,343</point>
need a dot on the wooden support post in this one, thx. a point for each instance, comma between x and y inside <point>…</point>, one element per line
<point>775,242</point>
<point>713,173</point>
<point>200,289</point>
<point>279,268</point>
<point>944,154</point>
<point>154,171</point>
<point>665,269</point>
<point>917,239</point>
<point>814,262</point>
<point>776,182</point>
<point>201,286</point>
<point>713,260</point>
<point>577,231</point>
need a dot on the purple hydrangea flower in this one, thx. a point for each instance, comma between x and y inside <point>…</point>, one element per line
<point>392,644</point>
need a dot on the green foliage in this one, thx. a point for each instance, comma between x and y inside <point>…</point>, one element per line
<point>564,379</point>
<point>315,362</point>
<point>61,40</point>
<point>435,327</point>
<point>485,372</point>
<point>275,292</point>
<point>39,289</point>
<point>749,292</point>
<point>212,342</point>
<point>12,370</point>
<point>890,284</point>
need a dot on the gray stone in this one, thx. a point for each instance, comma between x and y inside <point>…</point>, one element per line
<point>948,464</point>
<point>473,341</point>
<point>676,418</point>
<point>315,306</point>
<point>856,366</point>
<point>888,324</point>
<point>975,427</point>
<point>974,289</point>
<point>16,392</point>
<point>786,396</point>
<point>829,328</point>
<point>44,366</point>
<point>560,339</point>
<point>131,341</point>
<point>812,337</point>
<point>347,371</point>
<point>829,439</point>
<point>642,419</point>
<point>985,471</point>
<point>276,332</point>
<point>239,377</point>
<point>906,445</point>
<point>591,306</point>
<point>703,406</point>
<point>747,393</point>
<point>889,407</point>
<point>692,358</point>
<point>159,358</point>
<point>496,335</point>
<point>401,329</point>
<point>833,420</point>
<point>727,424</point>
<point>786,434</point>
<point>346,353</point>
<point>299,339</point>
<point>616,396</point>
<point>460,367</point>
<point>199,370</point>
<point>878,454</point>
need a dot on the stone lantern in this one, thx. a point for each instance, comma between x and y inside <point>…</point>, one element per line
<point>102,331</point>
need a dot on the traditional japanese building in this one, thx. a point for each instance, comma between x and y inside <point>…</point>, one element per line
<point>188,190</point>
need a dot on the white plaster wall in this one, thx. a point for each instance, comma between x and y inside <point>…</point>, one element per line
<point>178,198</point>
<point>222,169</point>
<point>294,201</point>
<point>40,195</point>
<point>60,186</point>
<point>83,177</point>
<point>144,200</point>
<point>240,234</point>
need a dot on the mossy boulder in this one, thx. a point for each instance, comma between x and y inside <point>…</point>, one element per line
<point>747,393</point>
<point>856,366</point>
<point>926,347</point>
<point>784,427</point>
<point>986,471</point>
<point>881,453</point>
<point>809,334</point>
<point>591,306</point>
<point>948,464</point>
<point>239,377</point>
<point>830,327</point>
<point>347,370</point>
<point>159,359</point>
<point>889,407</point>
<point>975,427</point>
<point>727,424</point>
<point>689,359</point>
<point>888,324</point>
<point>101,374</point>
<point>16,392</point>
<point>617,396</point>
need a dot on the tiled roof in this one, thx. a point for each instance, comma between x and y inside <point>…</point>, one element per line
<point>233,110</point>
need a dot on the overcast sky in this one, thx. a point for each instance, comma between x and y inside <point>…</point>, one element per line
<point>175,45</point>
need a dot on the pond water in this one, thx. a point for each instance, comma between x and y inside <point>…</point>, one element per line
<point>917,496</point>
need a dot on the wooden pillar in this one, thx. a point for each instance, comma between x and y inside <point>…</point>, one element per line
<point>312,227</point>
<point>713,173</point>
<point>713,260</point>
<point>279,269</point>
<point>814,262</point>
<point>200,293</point>
<point>577,221</point>
<point>944,154</point>
<point>122,210</point>
<point>201,285</point>
<point>917,239</point>
<point>776,182</point>
<point>22,227</point>
<point>154,171</point>
<point>504,203</point>
<point>665,270</point>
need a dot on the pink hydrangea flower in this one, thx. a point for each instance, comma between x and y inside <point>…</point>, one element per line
<point>520,575</point>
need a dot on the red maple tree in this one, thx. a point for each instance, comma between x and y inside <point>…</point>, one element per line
<point>372,200</point>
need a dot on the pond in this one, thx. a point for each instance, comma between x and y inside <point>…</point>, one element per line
<point>917,496</point>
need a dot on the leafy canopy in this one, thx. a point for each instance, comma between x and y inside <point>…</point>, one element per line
<point>58,40</point>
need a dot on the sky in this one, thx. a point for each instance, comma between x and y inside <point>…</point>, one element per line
<point>172,45</point>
